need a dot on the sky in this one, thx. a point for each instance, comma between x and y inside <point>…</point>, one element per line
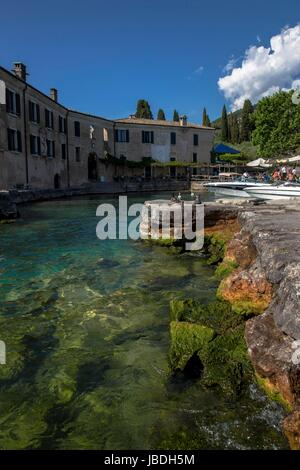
<point>104,55</point>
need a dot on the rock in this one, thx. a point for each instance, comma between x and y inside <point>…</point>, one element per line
<point>248,291</point>
<point>271,352</point>
<point>291,427</point>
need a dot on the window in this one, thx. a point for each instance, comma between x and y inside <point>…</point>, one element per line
<point>50,148</point>
<point>63,151</point>
<point>173,138</point>
<point>34,112</point>
<point>62,124</point>
<point>172,159</point>
<point>13,102</point>
<point>77,154</point>
<point>77,128</point>
<point>194,158</point>
<point>49,118</point>
<point>147,137</point>
<point>35,145</point>
<point>105,134</point>
<point>122,135</point>
<point>195,139</point>
<point>14,140</point>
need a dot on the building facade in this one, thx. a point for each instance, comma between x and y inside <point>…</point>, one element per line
<point>45,145</point>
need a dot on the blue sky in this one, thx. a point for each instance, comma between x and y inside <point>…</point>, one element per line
<point>103,56</point>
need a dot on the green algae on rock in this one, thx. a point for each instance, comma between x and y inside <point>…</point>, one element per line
<point>216,335</point>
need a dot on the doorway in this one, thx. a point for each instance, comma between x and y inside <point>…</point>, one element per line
<point>56,181</point>
<point>92,167</point>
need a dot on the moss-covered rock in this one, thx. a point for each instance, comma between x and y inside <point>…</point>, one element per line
<point>214,246</point>
<point>216,334</point>
<point>186,340</point>
<point>272,392</point>
<point>225,268</point>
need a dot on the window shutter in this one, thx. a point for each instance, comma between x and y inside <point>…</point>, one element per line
<point>127,135</point>
<point>38,117</point>
<point>30,110</point>
<point>9,139</point>
<point>116,135</point>
<point>19,141</point>
<point>152,137</point>
<point>53,149</point>
<point>143,137</point>
<point>31,144</point>
<point>18,104</point>
<point>7,99</point>
<point>39,145</point>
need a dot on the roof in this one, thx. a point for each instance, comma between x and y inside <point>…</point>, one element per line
<point>156,122</point>
<point>221,148</point>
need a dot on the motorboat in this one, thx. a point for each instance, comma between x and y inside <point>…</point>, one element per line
<point>281,191</point>
<point>235,188</point>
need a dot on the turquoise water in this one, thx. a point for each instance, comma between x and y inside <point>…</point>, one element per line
<point>86,328</point>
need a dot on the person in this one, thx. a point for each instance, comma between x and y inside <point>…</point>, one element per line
<point>179,197</point>
<point>283,172</point>
<point>266,178</point>
<point>245,175</point>
<point>276,175</point>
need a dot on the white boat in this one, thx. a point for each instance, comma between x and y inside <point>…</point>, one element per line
<point>282,191</point>
<point>236,188</point>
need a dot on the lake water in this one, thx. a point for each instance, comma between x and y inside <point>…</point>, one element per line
<point>86,329</point>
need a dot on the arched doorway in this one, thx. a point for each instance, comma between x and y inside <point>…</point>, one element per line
<point>56,181</point>
<point>92,167</point>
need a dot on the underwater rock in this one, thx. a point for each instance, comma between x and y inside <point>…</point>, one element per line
<point>186,340</point>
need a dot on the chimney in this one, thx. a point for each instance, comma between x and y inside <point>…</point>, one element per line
<point>183,120</point>
<point>53,94</point>
<point>20,70</point>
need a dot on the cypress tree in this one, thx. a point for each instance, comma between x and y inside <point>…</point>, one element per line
<point>246,125</point>
<point>175,116</point>
<point>204,117</point>
<point>235,131</point>
<point>161,115</point>
<point>143,110</point>
<point>224,125</point>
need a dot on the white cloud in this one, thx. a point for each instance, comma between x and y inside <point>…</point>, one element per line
<point>199,70</point>
<point>264,70</point>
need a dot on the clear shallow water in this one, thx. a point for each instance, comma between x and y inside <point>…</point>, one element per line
<point>86,328</point>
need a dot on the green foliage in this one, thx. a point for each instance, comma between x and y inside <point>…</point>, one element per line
<point>277,125</point>
<point>161,115</point>
<point>224,125</point>
<point>175,116</point>
<point>143,110</point>
<point>247,123</point>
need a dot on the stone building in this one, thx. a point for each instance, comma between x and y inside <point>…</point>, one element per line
<point>45,145</point>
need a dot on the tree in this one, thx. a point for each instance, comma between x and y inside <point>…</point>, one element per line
<point>143,110</point>
<point>224,125</point>
<point>205,118</point>
<point>161,115</point>
<point>175,116</point>
<point>234,130</point>
<point>277,125</point>
<point>247,122</point>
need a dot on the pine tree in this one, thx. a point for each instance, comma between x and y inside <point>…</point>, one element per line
<point>224,125</point>
<point>246,125</point>
<point>143,110</point>
<point>161,115</point>
<point>175,116</point>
